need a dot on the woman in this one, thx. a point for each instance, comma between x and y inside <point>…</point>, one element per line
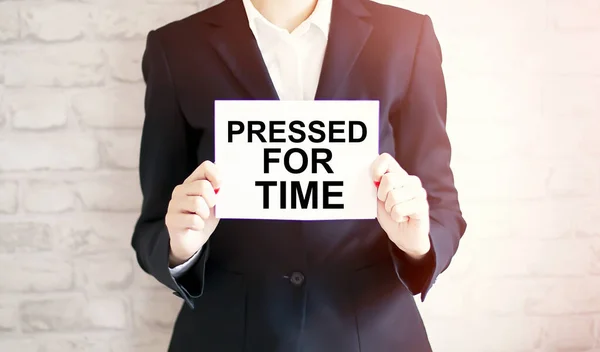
<point>283,285</point>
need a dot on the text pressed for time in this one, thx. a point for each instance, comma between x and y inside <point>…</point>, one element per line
<point>297,132</point>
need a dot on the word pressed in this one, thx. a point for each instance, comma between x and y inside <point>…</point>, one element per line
<point>274,131</point>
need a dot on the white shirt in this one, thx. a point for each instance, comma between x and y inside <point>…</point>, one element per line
<point>294,60</point>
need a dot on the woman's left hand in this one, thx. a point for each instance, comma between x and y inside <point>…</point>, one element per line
<point>402,207</point>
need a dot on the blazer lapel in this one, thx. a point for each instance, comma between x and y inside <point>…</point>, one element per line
<point>349,31</point>
<point>233,39</point>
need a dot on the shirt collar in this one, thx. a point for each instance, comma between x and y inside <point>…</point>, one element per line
<point>320,17</point>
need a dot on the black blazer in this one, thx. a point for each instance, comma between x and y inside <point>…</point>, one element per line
<point>322,286</point>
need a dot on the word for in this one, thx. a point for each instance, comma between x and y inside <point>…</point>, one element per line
<point>316,159</point>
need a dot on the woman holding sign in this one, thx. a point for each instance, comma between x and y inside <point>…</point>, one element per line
<point>276,285</point>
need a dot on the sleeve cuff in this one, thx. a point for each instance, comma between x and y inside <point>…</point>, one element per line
<point>420,277</point>
<point>189,284</point>
<point>181,269</point>
<point>415,275</point>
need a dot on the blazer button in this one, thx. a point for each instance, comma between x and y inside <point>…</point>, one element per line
<point>297,278</point>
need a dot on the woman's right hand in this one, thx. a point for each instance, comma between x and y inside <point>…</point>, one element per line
<point>191,217</point>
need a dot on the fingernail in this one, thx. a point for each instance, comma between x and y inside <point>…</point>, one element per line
<point>217,190</point>
<point>376,183</point>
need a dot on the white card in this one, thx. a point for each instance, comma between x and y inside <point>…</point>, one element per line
<point>296,160</point>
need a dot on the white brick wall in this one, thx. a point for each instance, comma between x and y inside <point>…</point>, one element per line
<point>524,88</point>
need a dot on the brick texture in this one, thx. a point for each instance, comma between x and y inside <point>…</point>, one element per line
<point>523,83</point>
